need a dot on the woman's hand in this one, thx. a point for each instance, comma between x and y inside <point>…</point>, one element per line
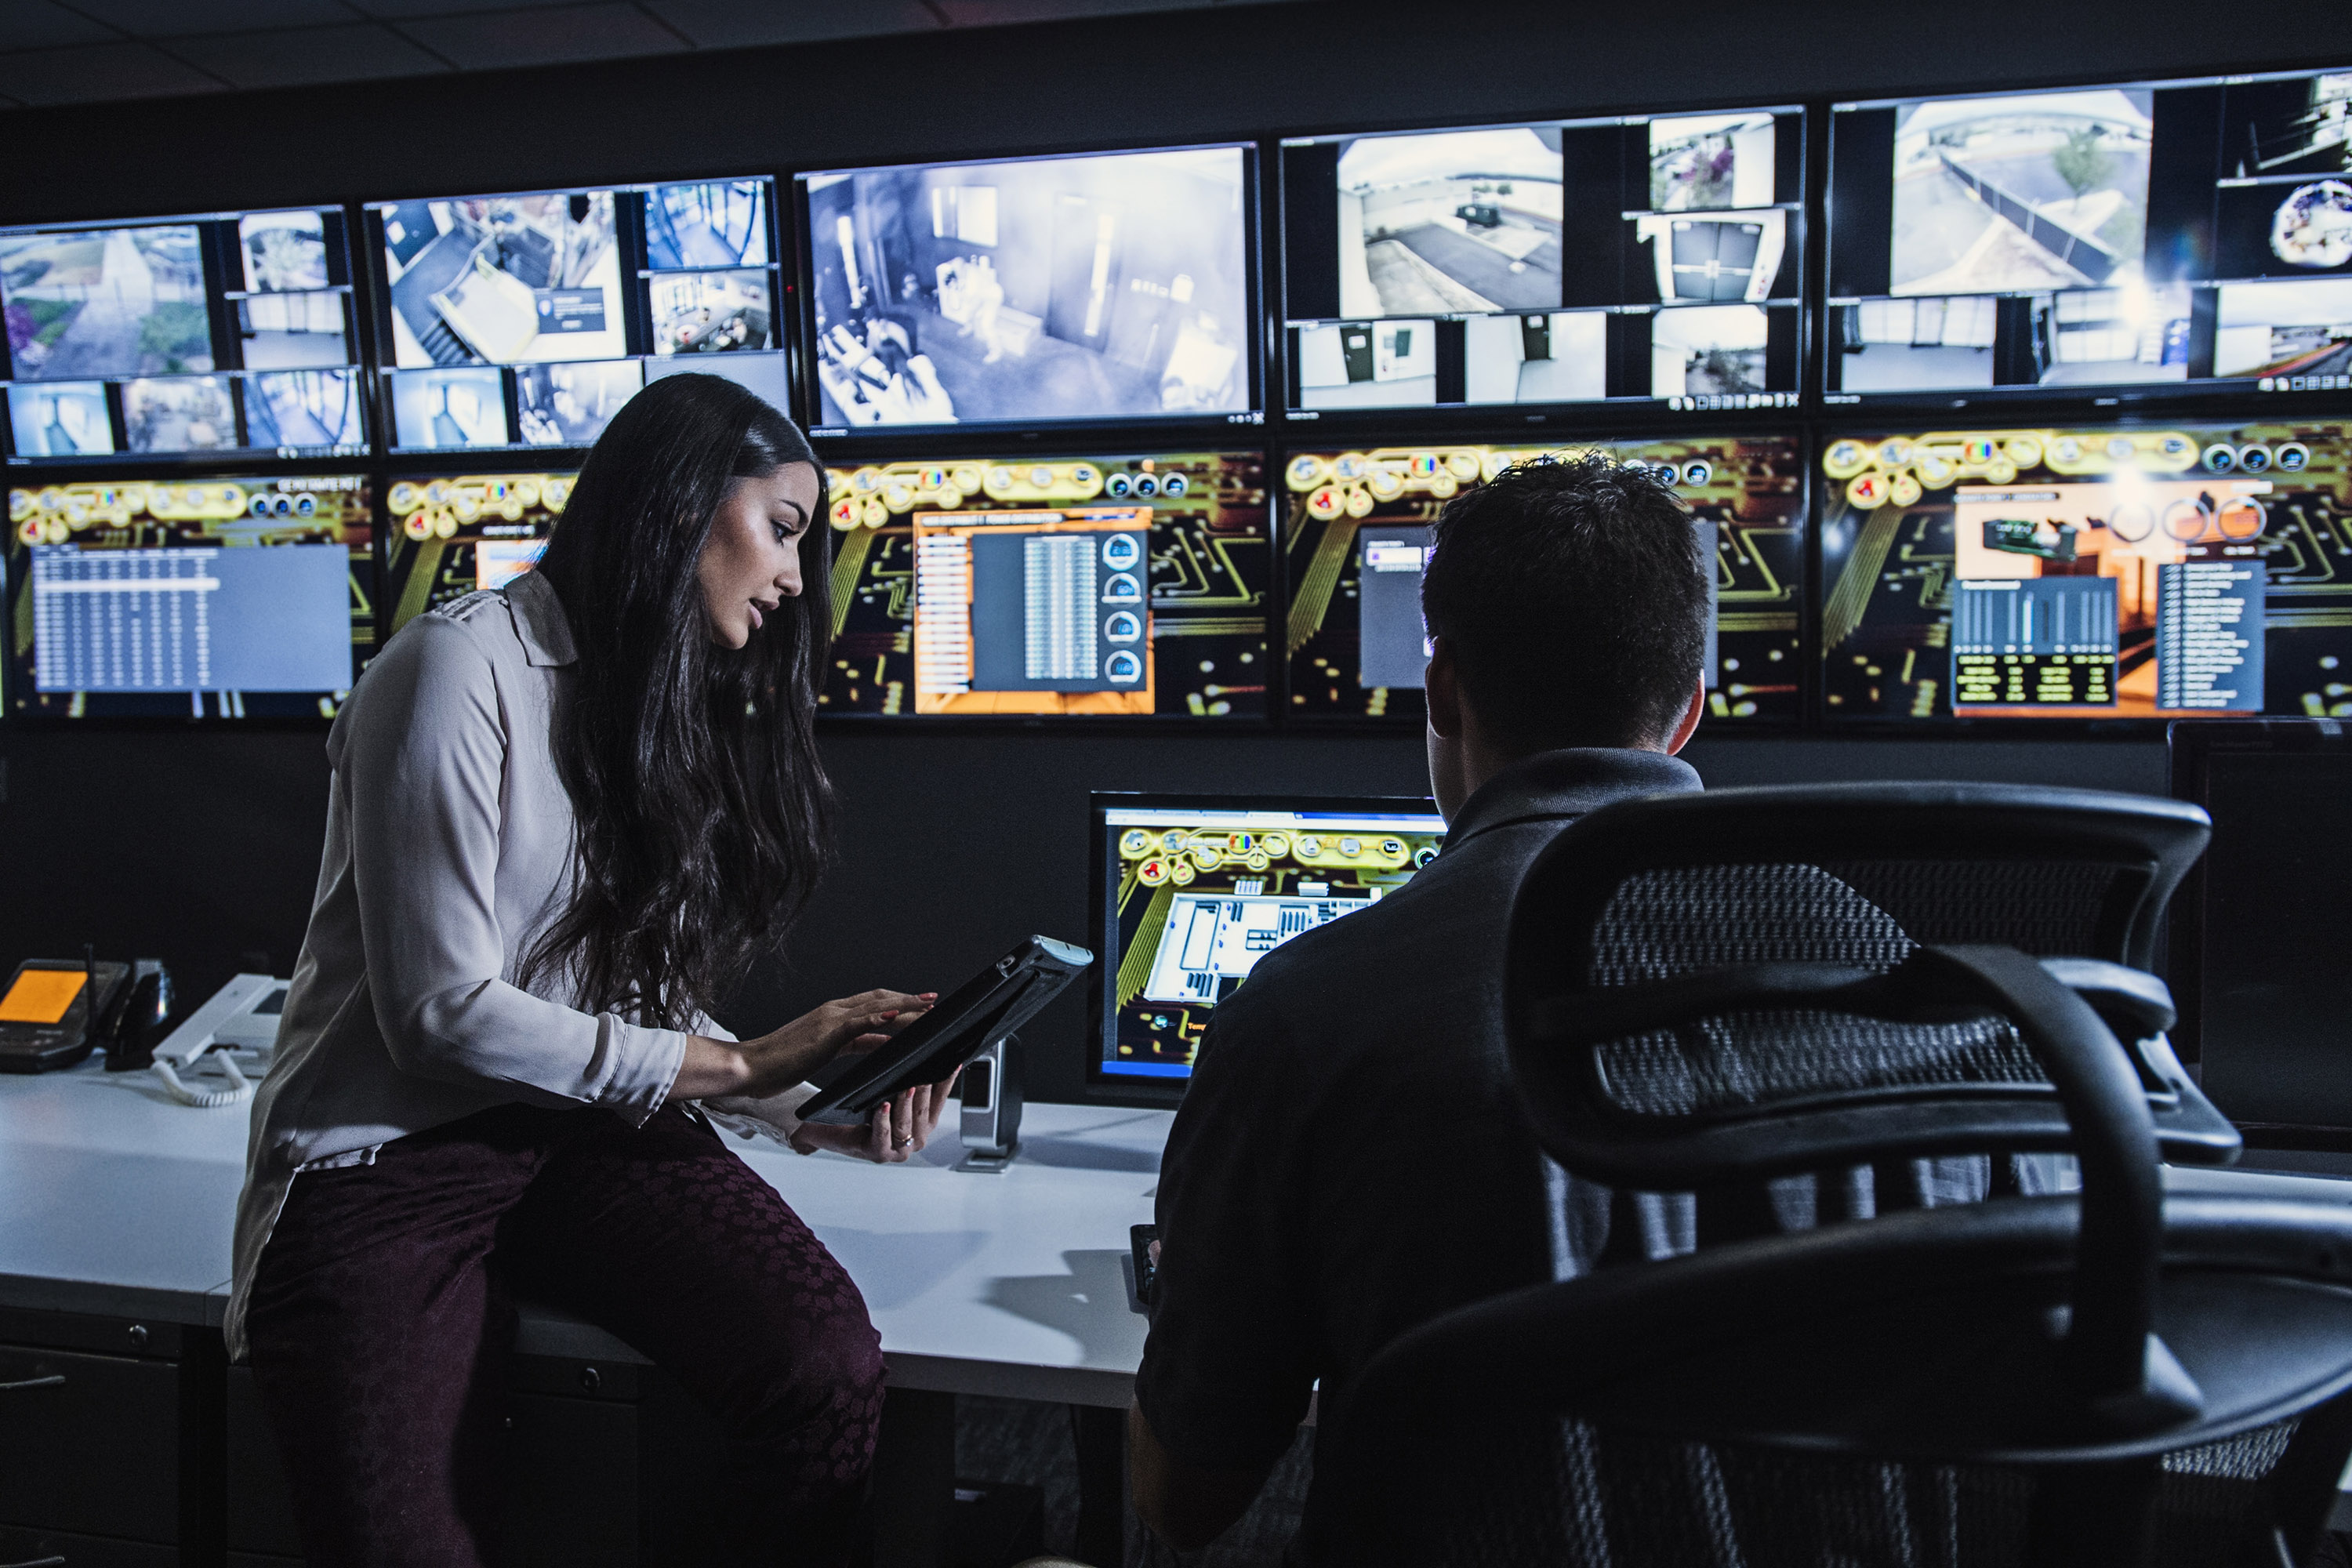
<point>898,1130</point>
<point>785,1056</point>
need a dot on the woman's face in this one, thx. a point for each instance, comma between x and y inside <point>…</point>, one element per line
<point>751,562</point>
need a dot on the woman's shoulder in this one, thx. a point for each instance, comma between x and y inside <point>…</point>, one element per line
<point>450,649</point>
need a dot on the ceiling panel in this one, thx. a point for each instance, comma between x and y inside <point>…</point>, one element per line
<point>42,25</point>
<point>98,73</point>
<point>292,58</point>
<point>173,18</point>
<point>734,23</point>
<point>56,52</point>
<point>550,35</point>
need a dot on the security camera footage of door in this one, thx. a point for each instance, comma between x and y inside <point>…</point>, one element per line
<point>1089,288</point>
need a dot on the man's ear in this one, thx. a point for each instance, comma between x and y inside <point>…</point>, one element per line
<point>1692,712</point>
<point>1444,689</point>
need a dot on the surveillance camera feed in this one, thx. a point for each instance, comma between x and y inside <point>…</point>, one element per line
<point>1357,531</point>
<point>153,598</point>
<point>450,534</point>
<point>2152,240</point>
<point>172,337</point>
<point>564,303</point>
<point>1194,893</point>
<point>1032,585</point>
<point>1107,286</point>
<point>1576,262</point>
<point>2147,572</point>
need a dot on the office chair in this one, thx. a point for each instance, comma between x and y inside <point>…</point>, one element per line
<point>1715,992</point>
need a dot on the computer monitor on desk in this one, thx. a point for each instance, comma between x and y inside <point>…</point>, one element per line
<point>1191,891</point>
<point>2257,963</point>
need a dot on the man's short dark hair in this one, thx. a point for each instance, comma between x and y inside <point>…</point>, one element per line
<point>1573,595</point>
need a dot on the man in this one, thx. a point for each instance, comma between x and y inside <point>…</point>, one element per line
<point>1350,1160</point>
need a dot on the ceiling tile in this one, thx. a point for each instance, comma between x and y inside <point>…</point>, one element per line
<point>174,19</point>
<point>733,24</point>
<point>292,56</point>
<point>998,12</point>
<point>402,10</point>
<point>98,73</point>
<point>598,32</point>
<point>39,25</point>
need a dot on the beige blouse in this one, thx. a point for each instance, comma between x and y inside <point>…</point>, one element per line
<point>449,850</point>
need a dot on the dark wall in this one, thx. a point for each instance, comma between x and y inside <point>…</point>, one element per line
<point>202,847</point>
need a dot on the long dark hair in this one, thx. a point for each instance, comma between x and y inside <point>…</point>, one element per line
<point>701,806</point>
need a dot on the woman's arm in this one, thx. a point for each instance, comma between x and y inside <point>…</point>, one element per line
<point>425,754</point>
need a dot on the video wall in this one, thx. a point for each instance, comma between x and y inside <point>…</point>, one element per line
<point>2055,433</point>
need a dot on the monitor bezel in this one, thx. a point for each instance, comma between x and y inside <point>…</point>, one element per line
<point>1120,1088</point>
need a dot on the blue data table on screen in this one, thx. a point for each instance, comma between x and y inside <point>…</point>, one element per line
<point>192,620</point>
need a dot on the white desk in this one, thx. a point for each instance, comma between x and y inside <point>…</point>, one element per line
<point>120,1203</point>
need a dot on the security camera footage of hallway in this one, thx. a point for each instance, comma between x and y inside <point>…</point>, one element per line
<point>1089,288</point>
<point>2136,236</point>
<point>1509,264</point>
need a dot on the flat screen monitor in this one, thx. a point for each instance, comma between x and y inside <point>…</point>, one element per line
<point>164,597</point>
<point>527,319</point>
<point>2087,572</point>
<point>1032,585</point>
<point>223,337</point>
<point>1358,533</point>
<point>1641,260</point>
<point>2148,240</point>
<point>2256,959</point>
<point>447,535</point>
<point>1190,891</point>
<point>1102,287</point>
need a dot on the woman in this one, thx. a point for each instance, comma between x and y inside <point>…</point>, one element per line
<point>564,816</point>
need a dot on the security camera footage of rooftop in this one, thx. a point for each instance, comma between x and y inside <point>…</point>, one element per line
<point>1357,530</point>
<point>150,596</point>
<point>1106,287</point>
<point>1547,264</point>
<point>226,335</point>
<point>1040,585</point>
<point>2145,572</point>
<point>2152,240</point>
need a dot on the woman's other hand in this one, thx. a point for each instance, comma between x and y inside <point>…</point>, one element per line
<point>783,1058</point>
<point>897,1130</point>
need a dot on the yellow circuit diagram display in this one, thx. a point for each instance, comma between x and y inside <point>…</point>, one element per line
<point>449,534</point>
<point>1198,904</point>
<point>138,512</point>
<point>1041,585</point>
<point>2140,572</point>
<point>1348,512</point>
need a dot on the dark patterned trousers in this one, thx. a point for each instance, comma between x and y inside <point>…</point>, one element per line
<point>381,1322</point>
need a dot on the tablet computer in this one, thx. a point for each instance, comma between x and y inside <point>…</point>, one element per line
<point>982,1010</point>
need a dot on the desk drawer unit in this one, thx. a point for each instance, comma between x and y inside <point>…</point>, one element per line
<point>60,1549</point>
<point>92,1445</point>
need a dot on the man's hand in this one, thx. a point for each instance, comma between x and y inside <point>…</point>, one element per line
<point>897,1131</point>
<point>785,1056</point>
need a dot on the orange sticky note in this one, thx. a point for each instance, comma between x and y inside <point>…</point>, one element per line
<point>41,995</point>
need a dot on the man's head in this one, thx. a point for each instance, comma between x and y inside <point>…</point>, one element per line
<point>1567,604</point>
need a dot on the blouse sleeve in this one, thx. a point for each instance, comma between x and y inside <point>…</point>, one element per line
<point>426,755</point>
